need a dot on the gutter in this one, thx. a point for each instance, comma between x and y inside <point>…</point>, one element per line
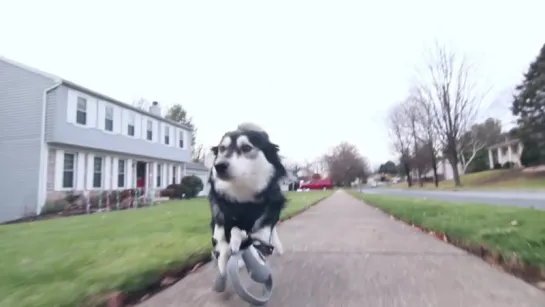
<point>42,177</point>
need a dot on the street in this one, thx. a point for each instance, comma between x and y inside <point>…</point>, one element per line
<point>527,199</point>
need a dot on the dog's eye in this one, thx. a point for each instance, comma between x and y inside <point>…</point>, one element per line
<point>222,148</point>
<point>245,148</point>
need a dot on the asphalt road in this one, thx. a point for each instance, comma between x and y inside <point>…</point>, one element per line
<point>535,199</point>
<point>345,253</point>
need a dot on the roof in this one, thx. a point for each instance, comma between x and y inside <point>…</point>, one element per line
<point>196,166</point>
<point>504,143</point>
<point>91,92</point>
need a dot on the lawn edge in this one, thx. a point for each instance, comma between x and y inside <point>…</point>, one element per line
<point>530,273</point>
<point>171,276</point>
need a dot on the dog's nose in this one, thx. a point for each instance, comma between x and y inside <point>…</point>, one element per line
<point>221,168</point>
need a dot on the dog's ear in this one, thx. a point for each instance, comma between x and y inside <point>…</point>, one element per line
<point>271,148</point>
<point>271,152</point>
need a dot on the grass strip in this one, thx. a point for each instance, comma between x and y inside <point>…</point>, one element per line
<point>80,260</point>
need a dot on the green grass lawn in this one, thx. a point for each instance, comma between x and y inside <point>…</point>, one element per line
<point>519,183</point>
<point>467,180</point>
<point>479,181</point>
<point>474,223</point>
<point>67,261</point>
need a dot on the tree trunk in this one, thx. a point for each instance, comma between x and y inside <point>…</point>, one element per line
<point>434,166</point>
<point>453,159</point>
<point>456,173</point>
<point>418,172</point>
<point>408,172</point>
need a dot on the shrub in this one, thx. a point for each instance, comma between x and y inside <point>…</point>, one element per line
<point>110,199</point>
<point>191,186</point>
<point>497,166</point>
<point>72,197</point>
<point>166,193</point>
<point>173,191</point>
<point>508,165</point>
<point>293,186</point>
<point>532,154</point>
<point>54,207</point>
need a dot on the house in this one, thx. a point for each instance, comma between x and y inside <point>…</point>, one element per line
<point>58,137</point>
<point>510,150</point>
<point>444,170</point>
<point>287,181</point>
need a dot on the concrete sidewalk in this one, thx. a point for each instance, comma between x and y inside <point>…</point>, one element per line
<point>345,253</point>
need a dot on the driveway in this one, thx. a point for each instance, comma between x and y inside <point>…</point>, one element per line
<point>528,199</point>
<point>345,253</point>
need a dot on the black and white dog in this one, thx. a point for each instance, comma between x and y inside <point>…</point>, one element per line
<point>245,196</point>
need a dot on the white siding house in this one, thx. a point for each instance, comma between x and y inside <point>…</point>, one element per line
<point>509,150</point>
<point>70,139</point>
<point>444,169</point>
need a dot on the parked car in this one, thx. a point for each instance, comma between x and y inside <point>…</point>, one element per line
<point>320,184</point>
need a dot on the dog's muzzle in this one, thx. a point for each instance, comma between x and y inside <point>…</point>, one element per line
<point>222,170</point>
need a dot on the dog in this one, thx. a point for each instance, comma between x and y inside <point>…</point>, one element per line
<point>245,196</point>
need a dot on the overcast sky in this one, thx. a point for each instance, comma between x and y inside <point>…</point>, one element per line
<point>313,73</point>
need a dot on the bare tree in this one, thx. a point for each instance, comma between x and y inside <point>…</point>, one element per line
<point>199,153</point>
<point>413,118</point>
<point>311,167</point>
<point>454,98</point>
<point>478,138</point>
<point>428,130</point>
<point>400,137</point>
<point>421,160</point>
<point>293,168</point>
<point>345,164</point>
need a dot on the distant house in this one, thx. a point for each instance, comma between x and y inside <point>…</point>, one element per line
<point>58,137</point>
<point>444,170</point>
<point>288,180</point>
<point>510,150</point>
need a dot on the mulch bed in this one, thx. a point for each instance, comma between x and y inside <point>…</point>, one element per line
<point>62,214</point>
<point>532,274</point>
<point>170,277</point>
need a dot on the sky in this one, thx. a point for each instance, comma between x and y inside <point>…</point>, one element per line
<point>312,73</point>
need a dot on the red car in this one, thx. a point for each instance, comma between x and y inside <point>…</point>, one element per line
<point>320,184</point>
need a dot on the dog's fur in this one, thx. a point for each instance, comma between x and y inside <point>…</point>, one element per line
<point>245,196</point>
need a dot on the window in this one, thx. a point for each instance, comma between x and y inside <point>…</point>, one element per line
<point>81,111</point>
<point>97,172</point>
<point>174,175</point>
<point>109,119</point>
<point>68,171</point>
<point>130,126</point>
<point>181,142</point>
<point>149,131</point>
<point>121,173</point>
<point>167,135</point>
<point>159,168</point>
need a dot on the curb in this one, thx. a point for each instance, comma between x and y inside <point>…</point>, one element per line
<point>172,276</point>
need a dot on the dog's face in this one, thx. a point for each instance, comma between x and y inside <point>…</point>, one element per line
<point>245,162</point>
